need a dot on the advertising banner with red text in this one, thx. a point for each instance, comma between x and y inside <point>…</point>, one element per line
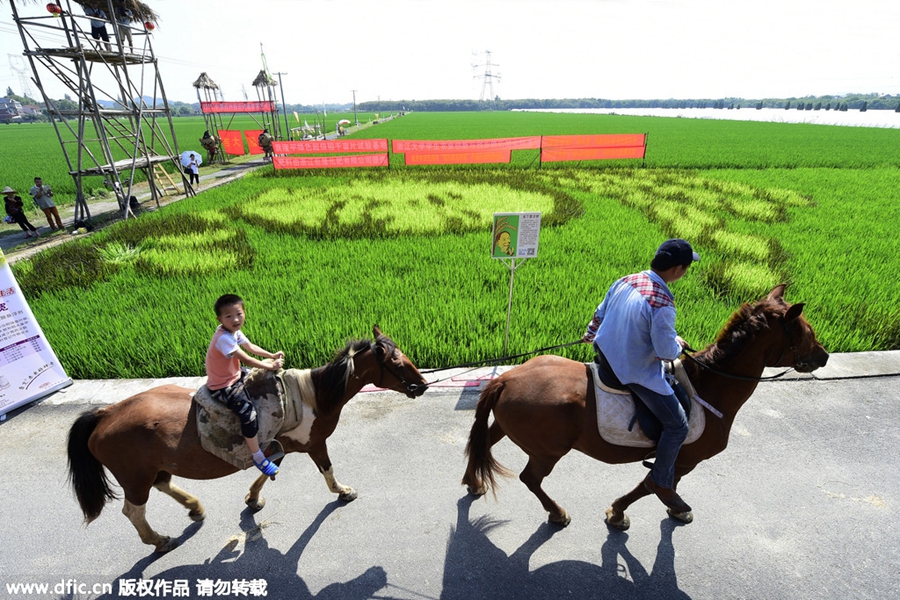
<point>329,162</point>
<point>237,107</point>
<point>321,147</point>
<point>252,136</point>
<point>232,142</point>
<point>29,369</point>
<point>519,143</point>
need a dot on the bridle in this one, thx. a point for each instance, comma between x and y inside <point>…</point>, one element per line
<point>384,365</point>
<point>789,345</point>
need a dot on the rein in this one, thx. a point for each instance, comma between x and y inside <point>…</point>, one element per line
<point>489,361</point>
<point>793,348</point>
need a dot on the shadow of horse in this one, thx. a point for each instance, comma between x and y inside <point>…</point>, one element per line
<point>279,570</point>
<point>475,568</point>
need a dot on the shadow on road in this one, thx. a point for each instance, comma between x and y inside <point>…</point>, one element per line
<point>475,568</point>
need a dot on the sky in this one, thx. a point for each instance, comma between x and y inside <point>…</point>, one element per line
<point>437,49</point>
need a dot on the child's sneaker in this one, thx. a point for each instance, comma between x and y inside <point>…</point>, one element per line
<point>267,467</point>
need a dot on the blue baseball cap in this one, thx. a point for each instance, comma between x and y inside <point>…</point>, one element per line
<point>673,253</point>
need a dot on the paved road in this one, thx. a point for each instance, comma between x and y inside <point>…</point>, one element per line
<point>803,504</point>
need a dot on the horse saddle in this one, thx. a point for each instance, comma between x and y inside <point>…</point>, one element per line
<point>623,419</point>
<point>220,429</point>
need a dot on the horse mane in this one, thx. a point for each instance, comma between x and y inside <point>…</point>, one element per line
<point>331,380</point>
<point>745,324</point>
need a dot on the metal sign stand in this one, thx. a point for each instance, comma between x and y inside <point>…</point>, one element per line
<point>511,263</point>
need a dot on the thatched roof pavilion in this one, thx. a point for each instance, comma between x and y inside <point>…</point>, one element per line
<point>205,82</point>
<point>264,79</point>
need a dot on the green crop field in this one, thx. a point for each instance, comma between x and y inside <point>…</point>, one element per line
<point>321,256</point>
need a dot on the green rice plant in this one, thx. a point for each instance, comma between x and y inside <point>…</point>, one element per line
<point>118,253</point>
<point>829,232</point>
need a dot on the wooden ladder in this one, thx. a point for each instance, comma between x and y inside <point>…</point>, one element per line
<point>164,181</point>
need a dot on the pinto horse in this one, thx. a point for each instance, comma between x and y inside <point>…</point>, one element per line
<point>547,405</point>
<point>145,439</point>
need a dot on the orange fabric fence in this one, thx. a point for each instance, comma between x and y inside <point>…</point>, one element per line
<point>330,162</point>
<point>456,158</point>
<point>252,136</point>
<point>560,154</point>
<point>232,142</point>
<point>603,140</point>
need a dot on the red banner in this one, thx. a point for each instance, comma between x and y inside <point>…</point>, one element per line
<point>329,162</point>
<point>237,107</point>
<point>606,140</point>
<point>560,154</point>
<point>519,143</point>
<point>457,158</point>
<point>252,136</point>
<point>232,142</point>
<point>321,147</point>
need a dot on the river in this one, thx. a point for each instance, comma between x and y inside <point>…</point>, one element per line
<point>851,118</point>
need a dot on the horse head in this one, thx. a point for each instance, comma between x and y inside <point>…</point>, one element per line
<point>397,371</point>
<point>800,348</point>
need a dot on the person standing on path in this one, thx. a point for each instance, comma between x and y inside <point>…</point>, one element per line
<point>43,199</point>
<point>16,211</point>
<point>194,171</point>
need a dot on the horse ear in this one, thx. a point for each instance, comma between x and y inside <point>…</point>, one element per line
<point>376,331</point>
<point>777,292</point>
<point>793,312</point>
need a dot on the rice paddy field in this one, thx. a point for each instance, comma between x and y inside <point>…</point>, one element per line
<point>321,256</point>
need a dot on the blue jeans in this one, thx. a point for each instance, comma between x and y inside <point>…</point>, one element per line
<point>675,429</point>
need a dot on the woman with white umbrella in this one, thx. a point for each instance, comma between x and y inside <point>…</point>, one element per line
<point>191,162</point>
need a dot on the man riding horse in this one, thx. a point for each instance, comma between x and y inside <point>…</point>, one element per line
<point>633,331</point>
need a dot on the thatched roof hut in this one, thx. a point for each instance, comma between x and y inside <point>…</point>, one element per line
<point>140,11</point>
<point>205,82</point>
<point>264,79</point>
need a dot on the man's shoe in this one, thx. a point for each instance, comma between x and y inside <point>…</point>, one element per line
<point>269,468</point>
<point>667,496</point>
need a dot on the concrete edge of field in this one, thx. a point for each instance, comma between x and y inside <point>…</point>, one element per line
<point>857,365</point>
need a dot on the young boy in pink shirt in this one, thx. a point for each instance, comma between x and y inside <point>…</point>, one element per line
<point>225,376</point>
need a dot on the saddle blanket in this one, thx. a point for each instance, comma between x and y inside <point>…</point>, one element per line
<point>281,400</point>
<point>615,412</point>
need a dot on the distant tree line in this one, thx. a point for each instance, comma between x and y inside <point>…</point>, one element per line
<point>861,102</point>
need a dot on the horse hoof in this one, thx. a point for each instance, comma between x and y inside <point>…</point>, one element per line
<point>255,504</point>
<point>197,515</point>
<point>622,523</point>
<point>477,492</point>
<point>165,544</point>
<point>685,517</point>
<point>349,496</point>
<point>562,520</point>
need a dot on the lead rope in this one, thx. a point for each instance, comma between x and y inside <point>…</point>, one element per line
<point>480,363</point>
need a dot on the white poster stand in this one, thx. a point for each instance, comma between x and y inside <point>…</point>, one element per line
<point>29,369</point>
<point>514,236</point>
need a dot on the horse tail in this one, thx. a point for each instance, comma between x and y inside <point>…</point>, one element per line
<point>482,464</point>
<point>86,473</point>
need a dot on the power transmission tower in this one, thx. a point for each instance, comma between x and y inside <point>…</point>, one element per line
<point>121,124</point>
<point>18,66</point>
<point>487,87</point>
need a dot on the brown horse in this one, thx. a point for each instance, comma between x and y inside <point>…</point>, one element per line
<point>145,439</point>
<point>547,405</point>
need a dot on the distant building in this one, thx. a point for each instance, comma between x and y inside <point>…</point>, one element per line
<point>10,111</point>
